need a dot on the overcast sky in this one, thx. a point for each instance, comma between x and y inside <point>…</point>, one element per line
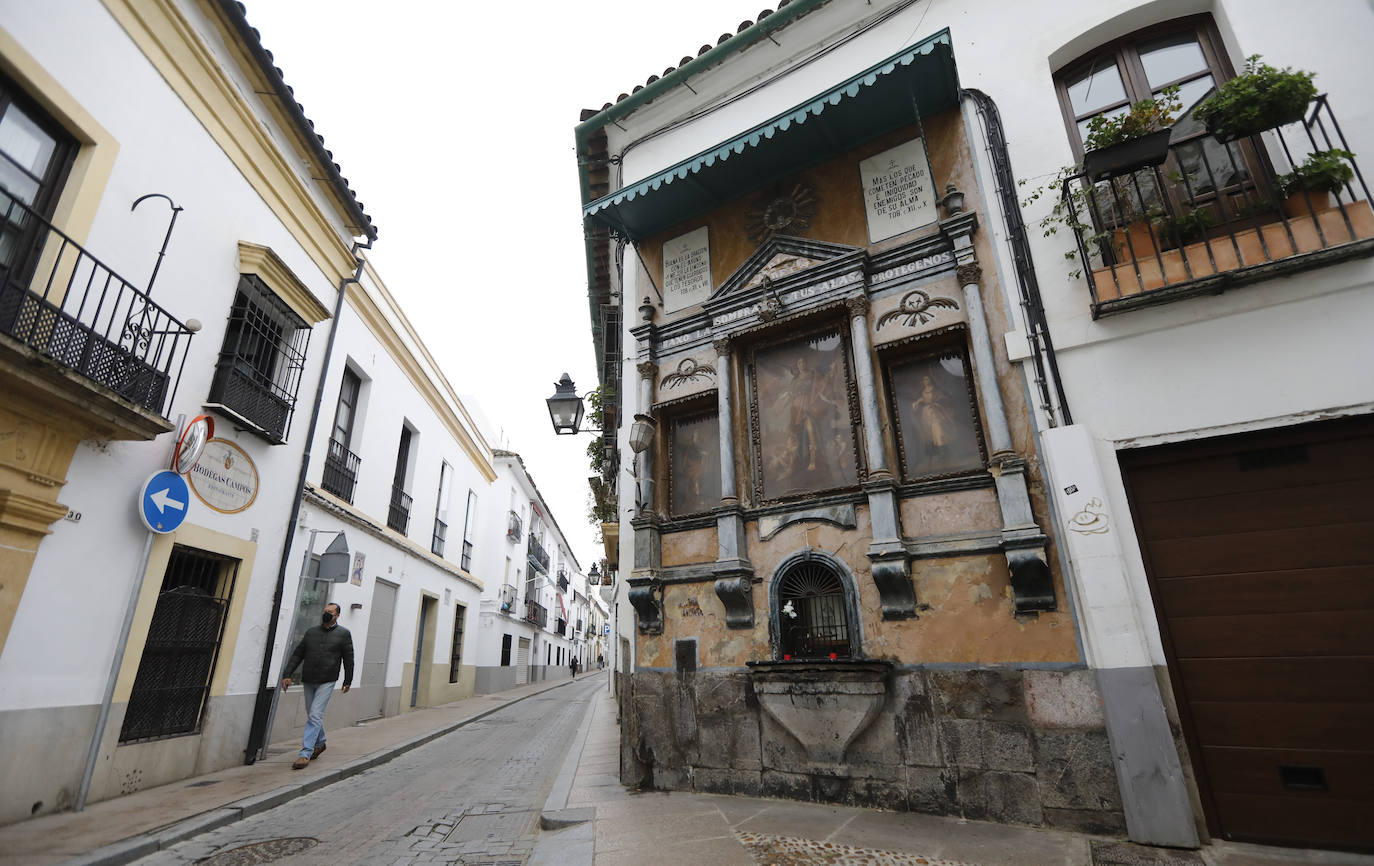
<point>453,122</point>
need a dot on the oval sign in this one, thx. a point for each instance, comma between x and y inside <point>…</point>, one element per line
<point>225,478</point>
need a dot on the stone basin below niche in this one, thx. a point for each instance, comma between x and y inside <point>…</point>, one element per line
<point>825,705</point>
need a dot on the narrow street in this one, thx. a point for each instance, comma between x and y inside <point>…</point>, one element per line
<point>471,796</point>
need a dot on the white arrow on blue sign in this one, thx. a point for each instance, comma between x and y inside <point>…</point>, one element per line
<point>163,501</point>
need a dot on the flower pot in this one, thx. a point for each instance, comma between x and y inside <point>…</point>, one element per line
<point>1148,150</point>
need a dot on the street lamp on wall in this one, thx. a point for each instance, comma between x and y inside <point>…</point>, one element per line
<point>642,433</point>
<point>565,407</point>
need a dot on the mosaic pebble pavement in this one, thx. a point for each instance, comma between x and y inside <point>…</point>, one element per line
<point>787,851</point>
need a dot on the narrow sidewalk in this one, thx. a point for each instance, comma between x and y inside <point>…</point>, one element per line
<point>126,828</point>
<point>590,819</point>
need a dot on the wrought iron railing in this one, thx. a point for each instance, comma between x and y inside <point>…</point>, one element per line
<point>536,613</point>
<point>398,515</point>
<point>1217,213</point>
<point>60,300</point>
<point>514,527</point>
<point>563,579</point>
<point>340,471</point>
<point>467,556</point>
<point>560,627</point>
<point>539,557</point>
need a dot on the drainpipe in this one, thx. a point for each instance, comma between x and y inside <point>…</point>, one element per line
<point>1042,347</point>
<point>258,733</point>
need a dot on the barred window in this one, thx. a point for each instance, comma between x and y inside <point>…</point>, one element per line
<point>179,655</point>
<point>260,363</point>
<point>813,613</point>
<point>455,666</point>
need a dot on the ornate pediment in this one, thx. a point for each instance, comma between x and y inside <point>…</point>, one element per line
<point>778,257</point>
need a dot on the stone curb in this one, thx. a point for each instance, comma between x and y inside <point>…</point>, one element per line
<point>134,847</point>
<point>575,843</point>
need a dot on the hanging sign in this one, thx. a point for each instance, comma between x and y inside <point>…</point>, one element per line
<point>225,478</point>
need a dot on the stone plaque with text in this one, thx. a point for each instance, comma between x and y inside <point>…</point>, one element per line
<point>898,193</point>
<point>686,270</point>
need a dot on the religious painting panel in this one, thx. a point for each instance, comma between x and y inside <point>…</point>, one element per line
<point>937,416</point>
<point>693,464</point>
<point>804,417</point>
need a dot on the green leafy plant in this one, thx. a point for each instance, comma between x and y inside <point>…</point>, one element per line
<point>1142,118</point>
<point>1073,211</point>
<point>1191,225</point>
<point>1260,98</point>
<point>1323,171</point>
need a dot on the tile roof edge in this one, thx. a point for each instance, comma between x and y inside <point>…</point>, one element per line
<point>235,12</point>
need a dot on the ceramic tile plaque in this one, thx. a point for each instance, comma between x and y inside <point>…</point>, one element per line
<point>686,270</point>
<point>898,193</point>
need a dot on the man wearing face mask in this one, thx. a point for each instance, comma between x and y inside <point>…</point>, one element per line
<point>322,648</point>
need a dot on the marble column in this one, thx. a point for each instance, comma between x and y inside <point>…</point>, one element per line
<point>886,553</point>
<point>645,591</point>
<point>734,573</point>
<point>1022,540</point>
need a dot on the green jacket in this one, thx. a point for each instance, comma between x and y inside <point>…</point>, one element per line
<point>322,649</point>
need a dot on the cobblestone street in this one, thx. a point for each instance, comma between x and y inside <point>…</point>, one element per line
<point>472,796</point>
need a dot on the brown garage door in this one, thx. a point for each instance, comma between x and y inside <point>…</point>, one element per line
<point>1260,552</point>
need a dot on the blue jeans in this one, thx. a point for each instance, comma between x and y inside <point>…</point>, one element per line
<point>316,700</point>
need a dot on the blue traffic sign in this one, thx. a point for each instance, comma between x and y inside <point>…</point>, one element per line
<point>608,628</point>
<point>163,501</point>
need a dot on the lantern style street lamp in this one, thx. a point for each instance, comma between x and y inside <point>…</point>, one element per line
<point>565,407</point>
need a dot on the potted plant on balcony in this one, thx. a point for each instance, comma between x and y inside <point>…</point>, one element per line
<point>1125,142</point>
<point>1325,172</point>
<point>1260,98</point>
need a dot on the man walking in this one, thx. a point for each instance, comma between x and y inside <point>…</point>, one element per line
<point>322,648</point>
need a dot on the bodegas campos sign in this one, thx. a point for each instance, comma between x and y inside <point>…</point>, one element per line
<point>225,478</point>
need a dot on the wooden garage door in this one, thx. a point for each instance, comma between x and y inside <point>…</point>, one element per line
<point>1260,552</point>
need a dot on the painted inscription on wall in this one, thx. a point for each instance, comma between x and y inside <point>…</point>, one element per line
<point>686,270</point>
<point>898,193</point>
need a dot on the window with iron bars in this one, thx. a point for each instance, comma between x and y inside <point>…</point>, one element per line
<point>813,613</point>
<point>179,655</point>
<point>456,656</point>
<point>260,362</point>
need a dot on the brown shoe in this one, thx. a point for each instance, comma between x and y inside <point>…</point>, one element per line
<point>319,750</point>
<point>300,763</point>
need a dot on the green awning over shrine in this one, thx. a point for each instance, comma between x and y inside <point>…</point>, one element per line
<point>918,81</point>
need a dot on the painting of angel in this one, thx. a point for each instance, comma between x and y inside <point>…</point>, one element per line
<point>806,429</point>
<point>935,416</point>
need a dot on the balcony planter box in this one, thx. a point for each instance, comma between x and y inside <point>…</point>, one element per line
<point>1223,129</point>
<point>1148,150</point>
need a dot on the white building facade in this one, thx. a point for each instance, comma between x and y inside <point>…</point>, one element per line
<point>535,613</point>
<point>401,470</point>
<point>1200,402</point>
<point>174,109</point>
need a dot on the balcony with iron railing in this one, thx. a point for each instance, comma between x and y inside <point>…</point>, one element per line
<point>563,579</point>
<point>538,556</point>
<point>1220,214</point>
<point>62,302</point>
<point>514,527</point>
<point>398,514</point>
<point>466,561</point>
<point>340,471</point>
<point>536,613</point>
<point>560,627</point>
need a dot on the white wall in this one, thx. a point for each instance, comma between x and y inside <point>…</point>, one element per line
<point>67,623</point>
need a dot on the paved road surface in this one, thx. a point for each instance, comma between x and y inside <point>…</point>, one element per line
<point>472,797</point>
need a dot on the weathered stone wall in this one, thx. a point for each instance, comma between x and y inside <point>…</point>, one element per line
<point>1017,746</point>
